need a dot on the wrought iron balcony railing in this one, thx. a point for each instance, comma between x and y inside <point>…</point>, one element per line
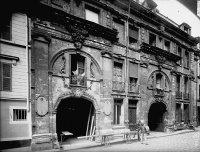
<point>178,94</point>
<point>186,95</point>
<point>78,80</point>
<point>133,88</point>
<point>119,86</point>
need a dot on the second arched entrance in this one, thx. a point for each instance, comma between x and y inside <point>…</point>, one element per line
<point>156,115</point>
<point>75,115</point>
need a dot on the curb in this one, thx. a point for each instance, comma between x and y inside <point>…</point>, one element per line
<point>99,144</point>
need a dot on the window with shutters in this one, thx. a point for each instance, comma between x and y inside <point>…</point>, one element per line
<point>5,76</point>
<point>18,114</point>
<point>133,36</point>
<point>92,14</point>
<point>117,111</point>
<point>78,72</point>
<point>5,28</point>
<point>133,77</point>
<point>119,26</point>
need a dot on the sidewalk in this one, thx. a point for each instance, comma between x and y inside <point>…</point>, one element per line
<point>115,140</point>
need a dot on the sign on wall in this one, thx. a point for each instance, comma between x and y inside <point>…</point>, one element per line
<point>41,106</point>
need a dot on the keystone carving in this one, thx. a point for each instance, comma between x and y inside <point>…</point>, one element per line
<point>78,36</point>
<point>161,60</point>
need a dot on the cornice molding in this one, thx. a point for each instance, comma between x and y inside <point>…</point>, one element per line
<point>159,52</point>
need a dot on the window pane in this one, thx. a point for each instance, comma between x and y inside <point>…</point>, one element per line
<point>92,16</point>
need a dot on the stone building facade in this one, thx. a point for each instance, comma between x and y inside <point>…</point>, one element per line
<point>106,64</point>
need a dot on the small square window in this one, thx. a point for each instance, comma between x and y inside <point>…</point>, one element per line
<point>92,14</point>
<point>18,115</point>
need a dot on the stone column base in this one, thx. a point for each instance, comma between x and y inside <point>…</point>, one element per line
<point>44,142</point>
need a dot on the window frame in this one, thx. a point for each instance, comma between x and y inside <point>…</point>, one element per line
<point>133,28</point>
<point>152,34</point>
<point>11,115</point>
<point>164,46</point>
<point>93,9</point>
<point>2,76</point>
<point>10,30</point>
<point>117,117</point>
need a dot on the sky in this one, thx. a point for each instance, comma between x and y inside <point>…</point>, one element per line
<point>178,13</point>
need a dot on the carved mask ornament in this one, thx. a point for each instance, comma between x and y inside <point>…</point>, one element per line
<point>78,36</point>
<point>161,60</point>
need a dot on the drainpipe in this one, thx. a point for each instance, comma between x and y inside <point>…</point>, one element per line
<point>127,42</point>
<point>27,60</point>
<point>28,73</point>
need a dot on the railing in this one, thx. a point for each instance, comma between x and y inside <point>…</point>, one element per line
<point>78,80</point>
<point>119,86</point>
<point>186,95</point>
<point>159,92</point>
<point>133,88</point>
<point>178,94</point>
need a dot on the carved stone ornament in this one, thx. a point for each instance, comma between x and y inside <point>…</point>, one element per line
<point>62,71</point>
<point>78,36</point>
<point>161,60</point>
<point>174,71</point>
<point>78,2</point>
<point>107,107</point>
<point>77,92</point>
<point>41,106</point>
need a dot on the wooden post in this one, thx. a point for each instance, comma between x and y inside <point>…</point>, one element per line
<point>91,125</point>
<point>93,133</point>
<point>88,119</point>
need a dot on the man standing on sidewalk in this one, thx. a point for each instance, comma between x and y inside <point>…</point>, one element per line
<point>143,133</point>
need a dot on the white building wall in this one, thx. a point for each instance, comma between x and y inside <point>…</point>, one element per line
<point>17,97</point>
<point>19,72</point>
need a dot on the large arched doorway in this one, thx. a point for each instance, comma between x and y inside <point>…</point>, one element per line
<point>75,115</point>
<point>156,115</point>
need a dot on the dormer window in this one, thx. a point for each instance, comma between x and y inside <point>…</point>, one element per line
<point>185,27</point>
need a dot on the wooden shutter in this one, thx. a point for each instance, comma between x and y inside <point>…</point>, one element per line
<point>6,76</point>
<point>133,70</point>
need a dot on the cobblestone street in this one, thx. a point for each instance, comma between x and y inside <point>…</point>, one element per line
<point>188,142</point>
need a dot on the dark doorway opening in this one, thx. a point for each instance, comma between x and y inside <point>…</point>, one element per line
<point>75,116</point>
<point>157,113</point>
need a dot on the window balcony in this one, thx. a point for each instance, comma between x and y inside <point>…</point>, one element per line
<point>178,94</point>
<point>78,80</point>
<point>186,95</point>
<point>118,86</point>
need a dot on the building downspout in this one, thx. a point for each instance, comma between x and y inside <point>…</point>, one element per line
<point>27,68</point>
<point>127,43</point>
<point>28,75</point>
